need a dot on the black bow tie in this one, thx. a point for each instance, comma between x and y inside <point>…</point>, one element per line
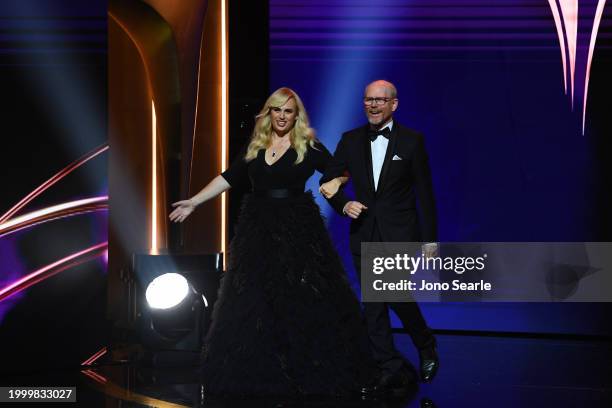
<point>373,134</point>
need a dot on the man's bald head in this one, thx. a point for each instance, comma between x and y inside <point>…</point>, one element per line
<point>390,89</point>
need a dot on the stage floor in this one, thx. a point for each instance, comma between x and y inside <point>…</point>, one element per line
<point>474,372</point>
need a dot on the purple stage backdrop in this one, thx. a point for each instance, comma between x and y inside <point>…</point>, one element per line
<point>498,89</point>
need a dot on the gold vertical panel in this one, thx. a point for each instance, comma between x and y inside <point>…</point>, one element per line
<point>129,113</point>
<point>203,233</point>
<point>167,109</point>
<point>144,120</point>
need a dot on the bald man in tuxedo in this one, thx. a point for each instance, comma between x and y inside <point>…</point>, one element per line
<point>389,169</point>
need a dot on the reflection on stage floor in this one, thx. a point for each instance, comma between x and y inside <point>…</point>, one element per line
<point>475,371</point>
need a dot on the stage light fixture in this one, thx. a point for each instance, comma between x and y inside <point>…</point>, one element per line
<point>171,307</point>
<point>166,291</point>
<point>176,309</point>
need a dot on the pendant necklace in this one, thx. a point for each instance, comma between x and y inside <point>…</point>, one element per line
<point>273,153</point>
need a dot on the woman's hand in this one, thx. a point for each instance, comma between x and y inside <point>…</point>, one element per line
<point>182,210</point>
<point>185,207</point>
<point>329,189</point>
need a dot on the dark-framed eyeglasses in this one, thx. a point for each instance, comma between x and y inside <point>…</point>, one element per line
<point>369,101</point>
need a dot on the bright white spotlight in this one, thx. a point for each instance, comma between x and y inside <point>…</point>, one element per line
<point>167,290</point>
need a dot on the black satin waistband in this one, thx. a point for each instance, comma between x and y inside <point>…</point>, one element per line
<point>278,193</point>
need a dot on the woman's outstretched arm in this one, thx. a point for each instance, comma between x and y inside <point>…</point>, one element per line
<point>184,208</point>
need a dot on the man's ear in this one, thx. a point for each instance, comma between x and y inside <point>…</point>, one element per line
<point>395,104</point>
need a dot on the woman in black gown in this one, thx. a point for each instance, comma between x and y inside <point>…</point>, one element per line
<point>286,321</point>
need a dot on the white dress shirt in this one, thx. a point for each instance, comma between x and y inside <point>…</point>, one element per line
<point>379,150</point>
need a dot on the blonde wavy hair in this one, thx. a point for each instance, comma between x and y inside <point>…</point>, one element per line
<point>300,136</point>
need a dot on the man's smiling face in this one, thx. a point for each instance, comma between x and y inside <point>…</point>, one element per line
<point>379,104</point>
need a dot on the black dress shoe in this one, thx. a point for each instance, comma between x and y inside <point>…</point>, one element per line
<point>429,363</point>
<point>371,389</point>
<point>427,403</point>
<point>396,384</point>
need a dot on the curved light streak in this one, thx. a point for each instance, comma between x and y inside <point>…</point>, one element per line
<point>95,376</point>
<point>53,180</point>
<point>557,18</point>
<point>138,47</point>
<point>53,213</point>
<point>111,389</point>
<point>596,22</point>
<point>52,269</point>
<point>195,116</point>
<point>95,357</point>
<point>569,10</point>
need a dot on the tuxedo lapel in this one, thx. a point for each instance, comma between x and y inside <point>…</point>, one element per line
<point>388,158</point>
<point>367,156</point>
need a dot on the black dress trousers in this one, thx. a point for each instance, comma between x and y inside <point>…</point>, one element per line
<point>389,359</point>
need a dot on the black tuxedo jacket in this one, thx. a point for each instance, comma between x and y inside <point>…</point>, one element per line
<point>404,178</point>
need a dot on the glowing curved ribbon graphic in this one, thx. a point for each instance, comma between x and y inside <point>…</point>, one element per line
<point>53,180</point>
<point>53,269</point>
<point>565,14</point>
<point>53,213</point>
<point>10,224</point>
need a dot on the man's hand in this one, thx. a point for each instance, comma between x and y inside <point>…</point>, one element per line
<point>353,209</point>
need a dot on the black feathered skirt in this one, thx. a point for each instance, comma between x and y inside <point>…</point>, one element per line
<point>286,321</point>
